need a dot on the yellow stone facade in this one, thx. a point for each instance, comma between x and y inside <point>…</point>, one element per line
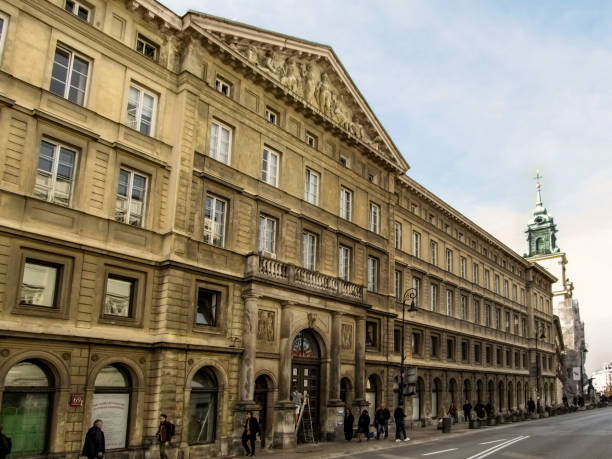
<point>240,188</point>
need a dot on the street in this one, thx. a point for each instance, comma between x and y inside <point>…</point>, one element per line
<point>580,435</point>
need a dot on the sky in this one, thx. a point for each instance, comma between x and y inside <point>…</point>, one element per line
<point>478,95</point>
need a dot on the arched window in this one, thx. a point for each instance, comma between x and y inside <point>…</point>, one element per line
<point>519,395</point>
<point>372,396</point>
<point>26,407</point>
<point>435,390</point>
<point>452,390</point>
<point>467,390</point>
<point>203,405</point>
<point>111,404</point>
<point>305,346</point>
<point>416,400</point>
<point>539,245</point>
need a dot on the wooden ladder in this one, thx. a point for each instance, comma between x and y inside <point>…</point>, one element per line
<point>307,422</point>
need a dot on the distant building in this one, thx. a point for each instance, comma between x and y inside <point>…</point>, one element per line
<point>602,379</point>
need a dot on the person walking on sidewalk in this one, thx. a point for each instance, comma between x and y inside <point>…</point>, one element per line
<point>165,432</point>
<point>363,425</point>
<point>94,447</point>
<point>452,412</point>
<point>467,410</point>
<point>381,419</point>
<point>251,429</point>
<point>400,423</point>
<point>349,421</point>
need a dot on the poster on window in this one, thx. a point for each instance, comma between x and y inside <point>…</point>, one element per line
<point>112,409</point>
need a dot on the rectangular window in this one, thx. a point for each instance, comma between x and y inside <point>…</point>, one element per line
<point>449,303</point>
<point>517,360</point>
<point>374,218</point>
<point>397,235</point>
<point>435,346</point>
<point>514,292</point>
<point>488,355</point>
<point>214,221</point>
<point>346,203</point>
<point>476,311</point>
<point>416,343</point>
<point>416,244</point>
<point>309,250</point>
<point>207,307</point>
<point>78,9</point>
<point>416,285</point>
<point>508,358</point>
<point>450,349</point>
<point>40,283</point>
<point>371,334</point>
<point>55,173</point>
<point>267,235</point>
<point>475,274</point>
<point>506,289</point>
<point>433,297</point>
<point>220,142</point>
<point>141,110</point>
<point>372,274</point>
<point>119,296</point>
<point>500,357</point>
<point>272,116</point>
<point>345,161</point>
<point>488,315</point>
<point>397,340</point>
<point>311,187</point>
<point>131,196</point>
<point>463,268</point>
<point>146,47</point>
<point>524,360</point>
<point>433,252</point>
<point>507,322</point>
<point>69,76</point>
<point>398,285</point>
<point>496,284</point>
<point>223,86</point>
<point>516,324</point>
<point>487,279</point>
<point>449,260</point>
<point>269,167</point>
<point>464,307</point>
<point>498,319</point>
<point>522,296</point>
<point>344,262</point>
<point>3,30</point>
<point>311,139</point>
<point>477,353</point>
<point>464,351</point>
<point>524,327</point>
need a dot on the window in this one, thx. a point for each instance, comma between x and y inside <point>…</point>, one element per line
<point>267,235</point>
<point>516,324</point>
<point>78,9</point>
<point>220,142</point>
<point>131,194</point>
<point>416,343</point>
<point>464,351</point>
<point>508,358</point>
<point>432,219</point>
<point>416,244</point>
<point>119,296</point>
<point>500,357</point>
<point>397,340</point>
<point>214,221</point>
<point>141,110</point>
<point>497,318</point>
<point>55,173</point>
<point>207,307</point>
<point>146,47</point>
<point>523,296</point>
<point>464,307</point>
<point>345,161</point>
<point>475,274</point>
<point>524,358</point>
<point>550,362</point>
<point>496,283</point>
<point>372,178</point>
<point>398,285</point>
<point>223,86</point>
<point>487,279</point>
<point>69,75</point>
<point>435,346</point>
<point>507,322</point>
<point>477,353</point>
<point>449,260</point>
<point>309,250</point>
<point>269,167</point>
<point>397,235</point>
<point>433,297</point>
<point>372,274</point>
<point>416,285</point>
<point>449,303</point>
<point>344,262</point>
<point>371,333</point>
<point>374,218</point>
<point>414,208</point>
<point>113,389</point>
<point>203,402</point>
<point>3,30</point>
<point>463,268</point>
<point>488,315</point>
<point>346,203</point>
<point>272,116</point>
<point>524,326</point>
<point>40,284</point>
<point>506,289</point>
<point>517,360</point>
<point>433,252</point>
<point>311,139</point>
<point>514,292</point>
<point>488,355</point>
<point>476,311</point>
<point>450,349</point>
<point>311,187</point>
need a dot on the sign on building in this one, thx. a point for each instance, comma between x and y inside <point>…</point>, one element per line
<point>576,373</point>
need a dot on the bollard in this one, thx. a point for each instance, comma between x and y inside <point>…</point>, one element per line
<point>446,425</point>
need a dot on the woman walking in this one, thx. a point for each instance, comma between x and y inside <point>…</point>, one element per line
<point>363,425</point>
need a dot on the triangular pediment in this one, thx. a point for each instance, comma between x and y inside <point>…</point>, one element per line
<point>311,73</point>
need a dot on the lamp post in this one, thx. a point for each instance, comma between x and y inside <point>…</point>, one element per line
<point>583,350</point>
<point>409,294</point>
<point>539,333</point>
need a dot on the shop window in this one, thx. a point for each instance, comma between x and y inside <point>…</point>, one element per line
<point>111,404</point>
<point>203,402</point>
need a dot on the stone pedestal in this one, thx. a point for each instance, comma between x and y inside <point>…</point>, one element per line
<point>240,414</point>
<point>285,435</point>
<point>335,420</point>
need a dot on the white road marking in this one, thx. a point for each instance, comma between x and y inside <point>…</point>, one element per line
<point>489,442</point>
<point>438,452</point>
<point>496,448</point>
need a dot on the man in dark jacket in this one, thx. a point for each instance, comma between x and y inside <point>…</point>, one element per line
<point>251,429</point>
<point>165,432</point>
<point>5,444</point>
<point>531,406</point>
<point>94,446</point>
<point>349,421</point>
<point>381,419</point>
<point>400,426</point>
<point>467,410</point>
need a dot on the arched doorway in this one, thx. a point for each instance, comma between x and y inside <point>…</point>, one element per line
<point>111,404</point>
<point>452,391</point>
<point>346,391</point>
<point>519,395</point>
<point>479,391</point>
<point>306,373</point>
<point>510,391</point>
<point>526,391</point>
<point>203,405</point>
<point>435,391</point>
<point>262,389</point>
<point>417,400</point>
<point>27,404</point>
<point>491,391</point>
<point>467,390</point>
<point>372,397</point>
<point>500,396</point>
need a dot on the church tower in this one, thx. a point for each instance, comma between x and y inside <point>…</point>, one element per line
<point>541,228</point>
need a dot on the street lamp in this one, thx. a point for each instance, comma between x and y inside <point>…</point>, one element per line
<point>539,333</point>
<point>583,350</point>
<point>409,294</point>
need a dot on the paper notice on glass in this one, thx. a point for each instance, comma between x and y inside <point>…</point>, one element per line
<point>113,410</point>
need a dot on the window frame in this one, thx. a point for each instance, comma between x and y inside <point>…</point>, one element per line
<point>374,217</point>
<point>346,206</point>
<point>70,69</point>
<point>450,303</point>
<point>135,319</point>
<point>311,139</point>
<point>397,235</point>
<point>449,260</point>
<point>6,21</point>
<point>346,263</point>
<point>433,252</point>
<point>138,117</point>
<point>434,297</point>
<point>416,244</point>
<point>221,83</point>
<point>216,153</point>
<point>261,242</point>
<point>57,148</point>
<point>132,299</point>
<point>147,41</point>
<point>372,273</point>
<point>145,202</point>
<point>76,5</point>
<point>219,296</point>
<point>398,281</point>
<point>309,252</point>
<point>270,112</point>
<point>308,187</point>
<point>225,202</point>
<point>271,153</point>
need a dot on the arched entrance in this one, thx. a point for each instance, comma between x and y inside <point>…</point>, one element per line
<point>452,391</point>
<point>479,391</point>
<point>500,396</point>
<point>111,404</point>
<point>435,391</point>
<point>262,389</point>
<point>306,374</point>
<point>203,403</point>
<point>372,397</point>
<point>510,404</point>
<point>417,400</point>
<point>467,390</point>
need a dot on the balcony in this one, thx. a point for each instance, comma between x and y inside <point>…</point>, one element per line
<point>267,268</point>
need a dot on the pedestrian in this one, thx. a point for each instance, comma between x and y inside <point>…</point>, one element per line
<point>381,419</point>
<point>452,412</point>
<point>165,432</point>
<point>531,406</point>
<point>467,410</point>
<point>565,400</point>
<point>400,423</point>
<point>251,429</point>
<point>297,400</point>
<point>6,444</point>
<point>480,410</point>
<point>363,425</point>
<point>349,421</point>
<point>94,446</point>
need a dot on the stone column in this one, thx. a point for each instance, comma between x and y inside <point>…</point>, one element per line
<point>360,371</point>
<point>335,406</point>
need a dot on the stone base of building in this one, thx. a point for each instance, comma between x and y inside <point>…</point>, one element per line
<point>335,420</point>
<point>285,435</point>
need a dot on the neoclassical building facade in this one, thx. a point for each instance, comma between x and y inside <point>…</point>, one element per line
<point>198,217</point>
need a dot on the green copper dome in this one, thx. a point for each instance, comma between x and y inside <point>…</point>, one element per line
<point>541,228</point>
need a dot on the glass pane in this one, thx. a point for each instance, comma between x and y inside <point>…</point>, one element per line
<point>59,74</point>
<point>42,186</point>
<point>202,417</point>
<point>214,135</point>
<point>132,108</point>
<point>25,417</point>
<point>118,297</point>
<point>26,374</point>
<point>207,307</point>
<point>83,13</point>
<point>305,346</point>
<point>39,285</point>
<point>120,209</point>
<point>45,157</point>
<point>113,410</point>
<point>138,187</point>
<point>204,379</point>
<point>124,180</point>
<point>111,377</point>
<point>66,163</point>
<point>224,145</point>
<point>69,5</point>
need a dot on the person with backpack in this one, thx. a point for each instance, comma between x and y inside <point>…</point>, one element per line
<point>6,444</point>
<point>95,446</point>
<point>165,432</point>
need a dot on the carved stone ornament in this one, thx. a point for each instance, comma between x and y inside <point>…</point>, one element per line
<point>312,319</point>
<point>190,362</point>
<point>94,357</point>
<point>5,352</point>
<point>66,356</point>
<point>347,337</point>
<point>265,325</point>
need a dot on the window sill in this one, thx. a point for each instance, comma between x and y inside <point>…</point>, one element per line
<point>122,321</point>
<point>40,311</point>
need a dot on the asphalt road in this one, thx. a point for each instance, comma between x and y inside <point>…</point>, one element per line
<point>584,435</point>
